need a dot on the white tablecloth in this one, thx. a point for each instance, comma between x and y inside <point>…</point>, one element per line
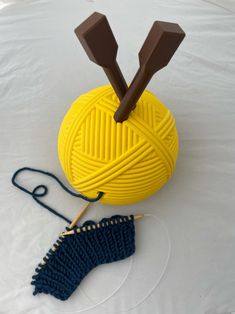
<point>43,69</point>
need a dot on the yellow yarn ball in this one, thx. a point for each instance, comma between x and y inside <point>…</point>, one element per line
<point>127,161</point>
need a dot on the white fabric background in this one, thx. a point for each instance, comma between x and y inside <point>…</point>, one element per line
<point>42,70</point>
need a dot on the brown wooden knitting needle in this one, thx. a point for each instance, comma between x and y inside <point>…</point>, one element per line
<point>158,49</point>
<point>136,217</point>
<point>98,40</point>
<point>81,212</point>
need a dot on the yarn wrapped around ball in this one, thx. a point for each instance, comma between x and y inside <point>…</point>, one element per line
<point>128,161</point>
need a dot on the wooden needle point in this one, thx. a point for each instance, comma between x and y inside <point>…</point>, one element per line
<point>158,49</point>
<point>139,216</point>
<point>98,41</point>
<point>79,215</point>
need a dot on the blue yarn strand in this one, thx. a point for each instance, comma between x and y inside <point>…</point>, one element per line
<point>42,190</point>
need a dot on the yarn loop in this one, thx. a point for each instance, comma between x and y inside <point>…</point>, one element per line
<point>36,194</point>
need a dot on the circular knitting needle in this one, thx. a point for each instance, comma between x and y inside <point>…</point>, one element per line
<point>98,41</point>
<point>136,217</point>
<point>158,49</point>
<point>81,212</point>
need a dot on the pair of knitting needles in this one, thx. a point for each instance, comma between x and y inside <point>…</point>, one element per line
<point>80,214</point>
<point>101,47</point>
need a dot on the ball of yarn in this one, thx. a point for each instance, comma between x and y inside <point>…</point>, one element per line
<point>127,161</point>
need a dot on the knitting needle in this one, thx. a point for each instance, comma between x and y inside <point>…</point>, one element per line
<point>158,49</point>
<point>98,41</point>
<point>73,223</point>
<point>136,217</point>
<point>81,212</point>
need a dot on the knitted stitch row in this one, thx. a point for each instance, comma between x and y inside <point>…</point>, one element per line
<point>74,256</point>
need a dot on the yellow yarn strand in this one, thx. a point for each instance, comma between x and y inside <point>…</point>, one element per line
<point>127,161</point>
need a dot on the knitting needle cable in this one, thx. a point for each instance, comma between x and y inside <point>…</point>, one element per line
<point>78,230</point>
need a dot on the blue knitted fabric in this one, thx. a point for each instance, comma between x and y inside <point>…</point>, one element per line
<point>74,256</point>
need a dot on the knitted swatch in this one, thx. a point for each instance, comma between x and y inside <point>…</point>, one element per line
<point>74,256</point>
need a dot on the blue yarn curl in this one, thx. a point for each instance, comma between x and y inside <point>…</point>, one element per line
<point>42,190</point>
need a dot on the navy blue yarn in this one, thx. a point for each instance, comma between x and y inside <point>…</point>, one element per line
<point>76,255</point>
<point>36,193</point>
